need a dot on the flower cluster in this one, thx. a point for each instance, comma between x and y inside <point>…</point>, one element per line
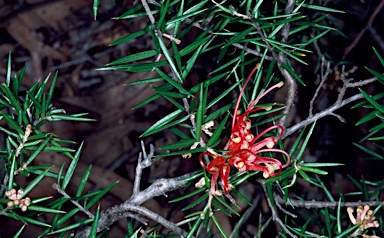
<point>244,148</point>
<point>15,199</point>
<point>364,216</point>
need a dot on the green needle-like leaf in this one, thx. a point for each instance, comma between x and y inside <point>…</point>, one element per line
<point>182,152</point>
<point>11,172</point>
<point>72,226</point>
<point>219,227</point>
<point>100,194</point>
<point>373,102</point>
<point>12,123</point>
<point>168,56</point>
<point>165,120</point>
<point>202,189</point>
<point>379,76</point>
<point>178,144</point>
<point>71,168</point>
<point>163,13</point>
<point>379,56</point>
<point>95,223</point>
<point>9,71</point>
<point>293,73</point>
<point>84,181</point>
<point>43,209</point>
<point>37,151</point>
<point>35,182</point>
<point>304,145</point>
<point>172,82</point>
<point>216,134</point>
<point>195,202</point>
<point>95,7</point>
<point>200,113</point>
<point>17,235</point>
<point>134,57</point>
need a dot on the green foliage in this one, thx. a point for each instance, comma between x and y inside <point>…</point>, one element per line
<point>24,114</point>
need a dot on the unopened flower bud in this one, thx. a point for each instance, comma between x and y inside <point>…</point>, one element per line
<point>27,201</point>
<point>23,208</point>
<point>370,213</point>
<point>16,202</point>
<point>350,209</point>
<point>350,214</point>
<point>10,204</point>
<point>19,194</point>
<point>376,223</point>
<point>359,209</point>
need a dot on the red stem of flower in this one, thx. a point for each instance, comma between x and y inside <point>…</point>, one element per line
<point>280,151</point>
<point>241,94</point>
<point>281,132</point>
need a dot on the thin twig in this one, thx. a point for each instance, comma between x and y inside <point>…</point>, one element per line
<point>280,59</point>
<point>62,192</point>
<point>344,88</point>
<point>246,215</point>
<point>263,38</point>
<point>237,45</point>
<point>275,216</point>
<point>361,33</point>
<point>27,132</point>
<point>253,52</point>
<point>322,204</point>
<point>3,186</point>
<point>233,10</point>
<point>361,83</point>
<point>142,164</point>
<point>285,211</point>
<point>148,11</point>
<point>317,116</point>
<point>4,211</point>
<point>153,22</point>
<point>324,76</point>
<point>156,217</point>
<point>290,81</point>
<point>377,37</point>
<point>158,188</point>
<point>330,110</point>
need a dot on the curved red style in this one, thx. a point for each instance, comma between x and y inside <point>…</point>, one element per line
<point>243,147</point>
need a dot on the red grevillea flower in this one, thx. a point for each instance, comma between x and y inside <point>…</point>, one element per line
<point>244,148</point>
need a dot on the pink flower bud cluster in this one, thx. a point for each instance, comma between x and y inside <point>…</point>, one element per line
<point>364,216</point>
<point>15,197</point>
